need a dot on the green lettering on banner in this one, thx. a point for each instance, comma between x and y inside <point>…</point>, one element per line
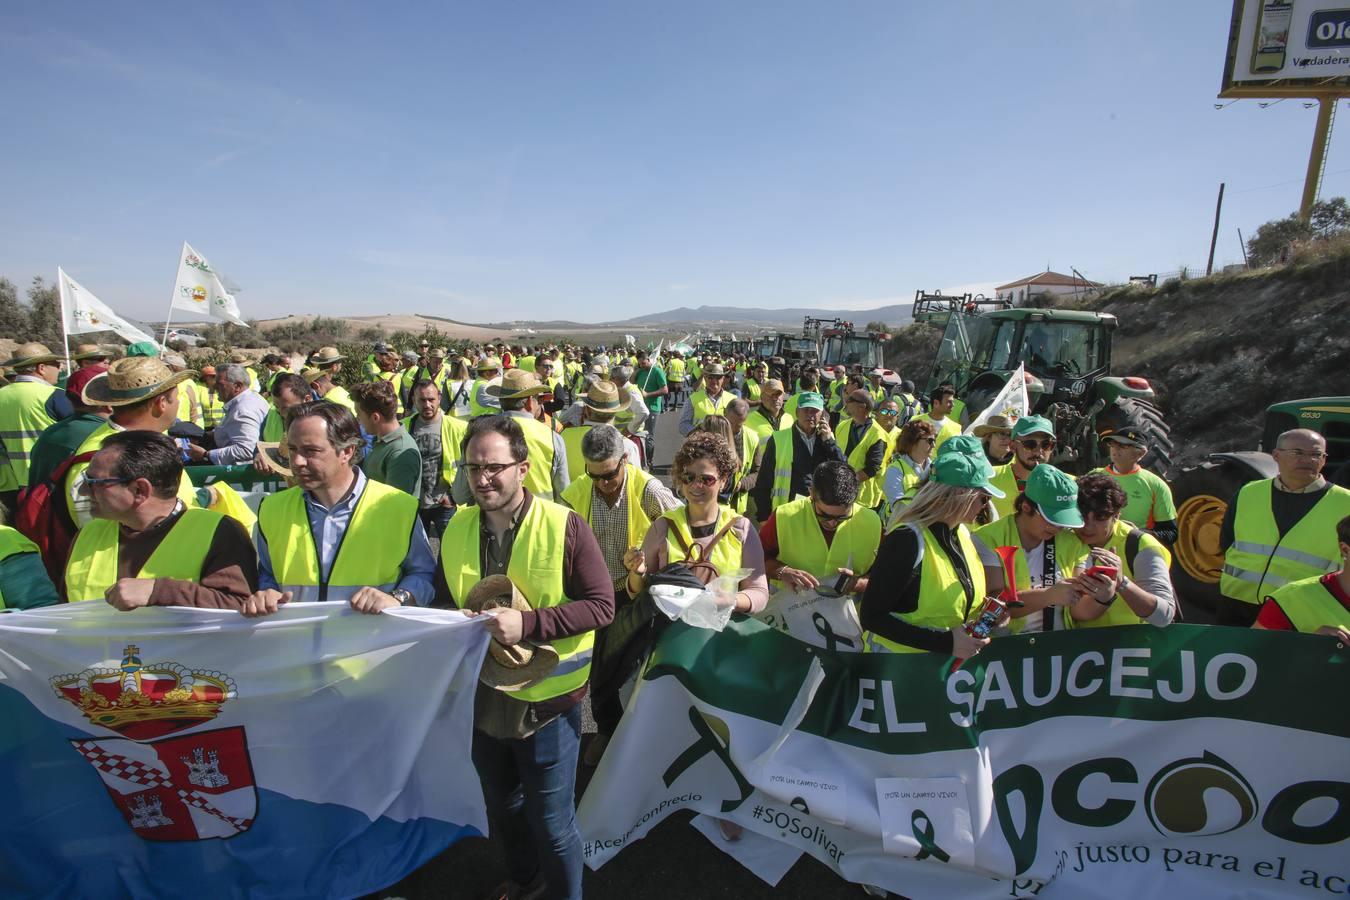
<point>1114,810</point>
<point>1279,819</point>
<point>1024,782</point>
<point>1135,672</point>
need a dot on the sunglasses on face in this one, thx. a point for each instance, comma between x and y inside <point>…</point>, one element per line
<point>91,483</point>
<point>888,413</point>
<point>826,517</point>
<point>1034,444</point>
<point>490,470</point>
<point>705,480</point>
<point>607,476</point>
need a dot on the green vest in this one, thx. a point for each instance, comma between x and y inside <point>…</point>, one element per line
<point>536,569</point>
<point>942,601</point>
<point>579,496</point>
<point>911,481</point>
<point>869,491</point>
<point>371,551</point>
<point>749,447</point>
<point>1259,561</point>
<point>452,440</point>
<point>340,396</point>
<point>801,542</point>
<point>726,553</point>
<point>705,406</point>
<point>675,371</point>
<point>1119,612</point>
<point>23,418</point>
<point>1309,605</point>
<point>576,463</point>
<point>213,408</point>
<point>751,393</point>
<point>1005,479</point>
<point>526,363</point>
<point>92,568</point>
<point>13,543</point>
<point>759,423</point>
<point>477,409</point>
<point>274,427</point>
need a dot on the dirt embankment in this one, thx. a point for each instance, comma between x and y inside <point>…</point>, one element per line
<point>1218,350</point>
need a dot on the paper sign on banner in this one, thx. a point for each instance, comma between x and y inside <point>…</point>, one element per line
<point>827,621</point>
<point>814,794</point>
<point>926,818</point>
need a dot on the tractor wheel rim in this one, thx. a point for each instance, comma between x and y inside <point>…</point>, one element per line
<point>1199,523</point>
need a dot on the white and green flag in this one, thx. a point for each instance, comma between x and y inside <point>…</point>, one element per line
<point>198,288</point>
<point>1101,763</point>
<point>1010,402</point>
<point>83,313</point>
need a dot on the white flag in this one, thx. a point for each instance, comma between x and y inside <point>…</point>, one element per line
<point>1010,402</point>
<point>198,288</point>
<point>83,312</point>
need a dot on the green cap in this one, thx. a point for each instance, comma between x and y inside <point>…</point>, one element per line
<point>143,348</point>
<point>810,400</point>
<point>1032,425</point>
<point>1056,494</point>
<point>961,462</point>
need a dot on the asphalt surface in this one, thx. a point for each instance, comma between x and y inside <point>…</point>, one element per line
<point>673,861</point>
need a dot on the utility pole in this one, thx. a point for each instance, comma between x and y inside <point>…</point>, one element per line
<point>1243,244</point>
<point>1214,238</point>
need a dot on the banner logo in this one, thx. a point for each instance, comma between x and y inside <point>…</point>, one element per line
<point>1176,798</point>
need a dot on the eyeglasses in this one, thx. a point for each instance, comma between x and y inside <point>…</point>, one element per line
<point>888,413</point>
<point>826,517</point>
<point>705,479</point>
<point>1034,444</point>
<point>607,476</point>
<point>1302,454</point>
<point>91,483</point>
<point>491,470</point>
<point>926,440</point>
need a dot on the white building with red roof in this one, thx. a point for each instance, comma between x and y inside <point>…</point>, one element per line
<point>1046,282</point>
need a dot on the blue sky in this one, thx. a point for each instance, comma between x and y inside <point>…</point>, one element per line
<point>593,161</point>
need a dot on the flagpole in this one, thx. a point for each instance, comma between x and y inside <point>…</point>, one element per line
<point>165,340</point>
<point>61,298</point>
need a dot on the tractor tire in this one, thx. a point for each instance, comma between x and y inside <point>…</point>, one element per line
<point>1202,494</point>
<point>1128,412</point>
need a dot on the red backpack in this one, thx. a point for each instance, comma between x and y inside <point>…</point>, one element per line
<point>43,519</point>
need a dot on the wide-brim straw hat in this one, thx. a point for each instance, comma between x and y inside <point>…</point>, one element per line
<point>30,354</point>
<point>520,665</point>
<point>603,397</point>
<point>327,356</point>
<point>489,363</point>
<point>240,356</point>
<point>131,380</point>
<point>517,383</point>
<point>90,351</point>
<point>995,424</point>
<point>714,369</point>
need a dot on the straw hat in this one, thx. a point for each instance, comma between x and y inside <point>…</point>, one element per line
<point>517,383</point>
<point>30,354</point>
<point>995,424</point>
<point>489,363</point>
<point>602,397</point>
<point>240,356</point>
<point>90,351</point>
<point>714,369</point>
<point>311,374</point>
<point>327,356</point>
<point>131,380</point>
<point>520,665</point>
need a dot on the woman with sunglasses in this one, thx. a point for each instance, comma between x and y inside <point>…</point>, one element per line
<point>910,463</point>
<point>928,581</point>
<point>703,467</point>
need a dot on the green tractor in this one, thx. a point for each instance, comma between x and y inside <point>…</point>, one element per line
<point>1067,355</point>
<point>1202,493</point>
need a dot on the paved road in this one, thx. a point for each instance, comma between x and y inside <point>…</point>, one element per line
<point>674,861</point>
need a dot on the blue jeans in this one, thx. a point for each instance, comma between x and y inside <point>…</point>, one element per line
<point>530,788</point>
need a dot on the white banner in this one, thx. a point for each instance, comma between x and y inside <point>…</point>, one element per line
<point>198,289</point>
<point>316,752</point>
<point>1010,402</point>
<point>84,313</point>
<point>1116,762</point>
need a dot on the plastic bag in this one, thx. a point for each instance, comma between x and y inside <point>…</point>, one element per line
<point>708,608</point>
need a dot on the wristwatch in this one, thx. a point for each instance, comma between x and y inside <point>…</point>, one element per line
<point>405,598</point>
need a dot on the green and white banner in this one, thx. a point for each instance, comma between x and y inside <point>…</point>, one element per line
<point>1185,761</point>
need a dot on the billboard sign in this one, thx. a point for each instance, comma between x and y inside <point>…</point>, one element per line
<point>1288,48</point>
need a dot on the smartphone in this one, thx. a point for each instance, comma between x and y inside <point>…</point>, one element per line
<point>841,585</point>
<point>1108,571</point>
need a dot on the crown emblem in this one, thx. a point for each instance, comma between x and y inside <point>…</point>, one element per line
<point>142,701</point>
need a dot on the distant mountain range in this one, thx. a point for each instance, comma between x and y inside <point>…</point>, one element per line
<point>744,316</point>
<point>897,314</point>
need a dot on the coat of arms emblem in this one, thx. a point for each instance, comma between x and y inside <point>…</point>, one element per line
<point>170,786</point>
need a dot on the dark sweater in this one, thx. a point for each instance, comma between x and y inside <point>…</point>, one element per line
<point>803,464</point>
<point>893,586</point>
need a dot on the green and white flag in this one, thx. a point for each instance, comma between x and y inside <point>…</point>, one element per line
<point>83,313</point>
<point>198,288</point>
<point>1134,761</point>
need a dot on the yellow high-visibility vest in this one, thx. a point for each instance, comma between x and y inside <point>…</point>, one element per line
<point>942,599</point>
<point>579,496</point>
<point>23,418</point>
<point>1309,605</point>
<point>1260,560</point>
<point>801,542</point>
<point>92,567</point>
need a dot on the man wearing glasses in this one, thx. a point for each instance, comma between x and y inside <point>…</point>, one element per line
<point>1033,441</point>
<point>145,546</point>
<point>1280,529</point>
<point>525,740</point>
<point>795,452</point>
